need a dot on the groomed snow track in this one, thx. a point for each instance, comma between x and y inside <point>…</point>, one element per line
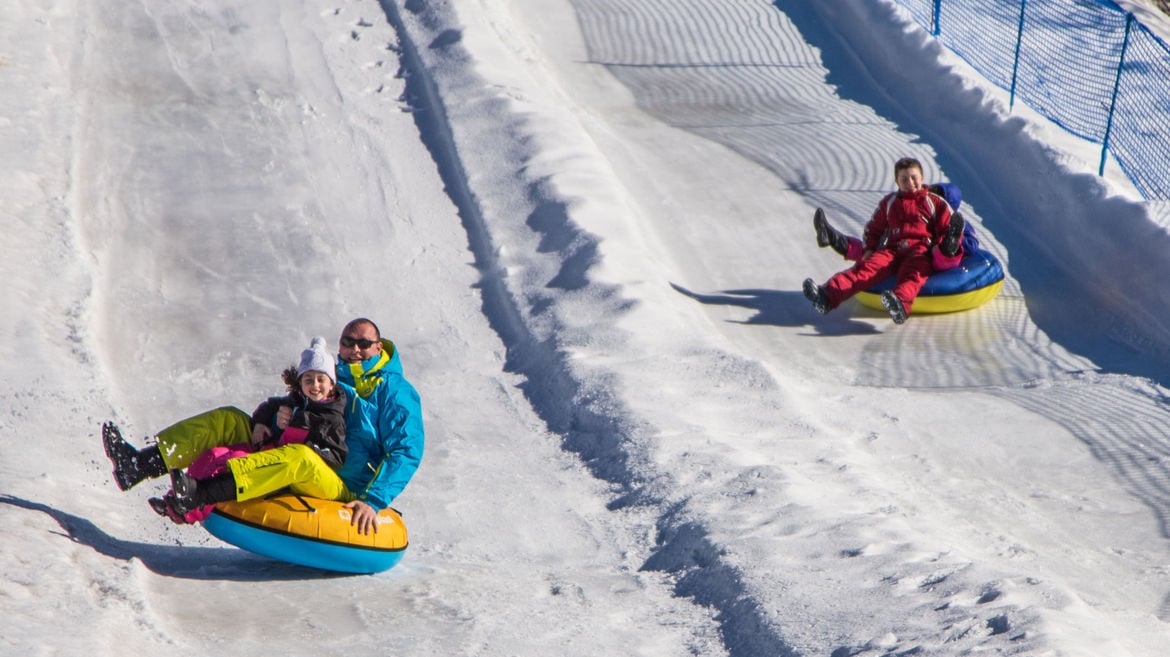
<point>589,420</point>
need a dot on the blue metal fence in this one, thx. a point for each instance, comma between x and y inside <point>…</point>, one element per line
<point>1088,65</point>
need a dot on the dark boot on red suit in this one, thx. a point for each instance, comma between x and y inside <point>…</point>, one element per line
<point>950,243</point>
<point>816,295</point>
<point>894,306</point>
<point>829,236</point>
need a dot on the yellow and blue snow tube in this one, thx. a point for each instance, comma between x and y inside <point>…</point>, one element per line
<point>977,279</point>
<point>310,532</point>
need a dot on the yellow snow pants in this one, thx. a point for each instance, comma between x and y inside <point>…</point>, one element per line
<point>296,467</point>
<point>186,439</point>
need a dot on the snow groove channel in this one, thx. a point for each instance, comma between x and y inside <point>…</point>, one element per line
<point>591,421</point>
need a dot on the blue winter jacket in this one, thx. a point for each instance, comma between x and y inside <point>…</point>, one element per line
<point>381,463</point>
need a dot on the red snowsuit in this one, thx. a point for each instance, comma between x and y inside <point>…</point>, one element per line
<point>898,239</point>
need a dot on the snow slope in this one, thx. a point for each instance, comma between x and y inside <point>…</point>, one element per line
<point>585,224</point>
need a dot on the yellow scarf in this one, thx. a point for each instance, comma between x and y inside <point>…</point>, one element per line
<point>364,381</point>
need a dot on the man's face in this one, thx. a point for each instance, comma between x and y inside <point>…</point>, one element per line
<point>350,346</point>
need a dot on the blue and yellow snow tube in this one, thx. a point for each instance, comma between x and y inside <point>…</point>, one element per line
<point>977,279</point>
<point>310,532</point>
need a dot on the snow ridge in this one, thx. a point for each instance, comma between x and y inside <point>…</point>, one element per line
<point>532,346</point>
<point>582,409</point>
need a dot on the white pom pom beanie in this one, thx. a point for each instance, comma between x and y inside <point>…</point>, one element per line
<point>317,359</point>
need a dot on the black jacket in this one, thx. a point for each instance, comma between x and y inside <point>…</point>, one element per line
<point>324,420</point>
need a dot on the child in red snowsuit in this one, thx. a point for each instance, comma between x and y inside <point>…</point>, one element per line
<point>946,255</point>
<point>898,240</point>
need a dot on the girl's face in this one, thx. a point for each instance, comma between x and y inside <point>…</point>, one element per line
<point>909,180</point>
<point>316,385</point>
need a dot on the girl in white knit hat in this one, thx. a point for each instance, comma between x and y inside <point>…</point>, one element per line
<point>295,445</point>
<point>317,405</point>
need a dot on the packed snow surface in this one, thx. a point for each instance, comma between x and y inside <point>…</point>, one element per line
<point>585,224</point>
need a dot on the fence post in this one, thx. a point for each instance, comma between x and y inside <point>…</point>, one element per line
<point>937,11</point>
<point>1113,101</point>
<point>1016,59</point>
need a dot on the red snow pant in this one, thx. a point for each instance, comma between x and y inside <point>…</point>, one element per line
<point>912,265</point>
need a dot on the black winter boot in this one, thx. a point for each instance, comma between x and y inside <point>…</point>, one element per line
<point>166,507</point>
<point>188,494</point>
<point>894,306</point>
<point>220,488</point>
<point>829,236</point>
<point>131,466</point>
<point>816,295</point>
<point>194,493</point>
<point>950,243</point>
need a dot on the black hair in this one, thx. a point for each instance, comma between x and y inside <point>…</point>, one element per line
<point>353,323</point>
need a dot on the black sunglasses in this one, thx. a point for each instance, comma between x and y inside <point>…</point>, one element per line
<point>361,343</point>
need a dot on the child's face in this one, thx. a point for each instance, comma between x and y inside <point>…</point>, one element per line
<point>909,180</point>
<point>316,385</point>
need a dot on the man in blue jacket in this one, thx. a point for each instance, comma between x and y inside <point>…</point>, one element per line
<point>377,471</point>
